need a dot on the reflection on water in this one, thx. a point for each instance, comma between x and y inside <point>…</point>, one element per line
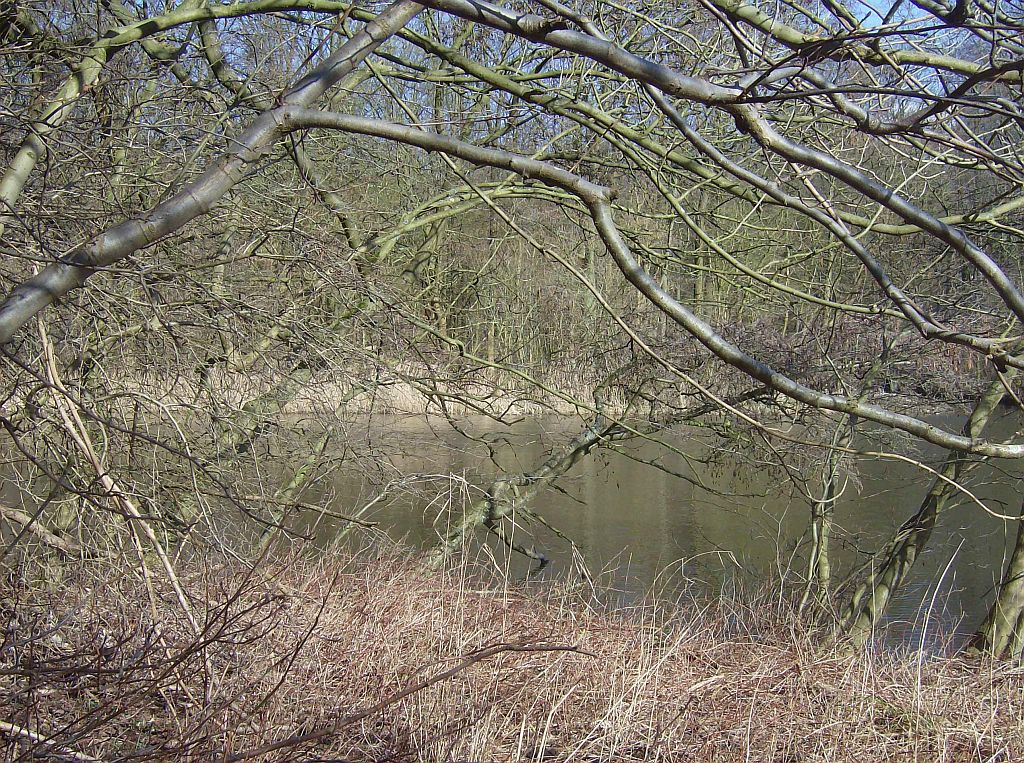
<point>647,518</point>
<point>734,522</point>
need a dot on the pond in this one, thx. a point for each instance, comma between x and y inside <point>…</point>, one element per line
<point>639,527</point>
<point>644,519</point>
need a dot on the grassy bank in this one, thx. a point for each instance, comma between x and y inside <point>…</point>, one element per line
<point>369,657</point>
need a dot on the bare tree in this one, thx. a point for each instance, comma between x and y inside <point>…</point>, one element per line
<point>279,192</point>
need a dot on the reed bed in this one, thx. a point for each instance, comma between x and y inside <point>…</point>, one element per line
<point>369,656</point>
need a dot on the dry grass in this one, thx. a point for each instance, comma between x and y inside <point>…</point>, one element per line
<point>300,646</point>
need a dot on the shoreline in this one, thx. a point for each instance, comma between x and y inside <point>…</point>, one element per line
<point>399,394</point>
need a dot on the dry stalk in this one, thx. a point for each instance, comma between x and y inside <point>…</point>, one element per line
<point>78,432</point>
<point>58,750</point>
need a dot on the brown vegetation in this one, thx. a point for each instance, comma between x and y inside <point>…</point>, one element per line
<point>290,657</point>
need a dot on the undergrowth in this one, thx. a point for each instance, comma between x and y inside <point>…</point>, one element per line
<point>368,656</point>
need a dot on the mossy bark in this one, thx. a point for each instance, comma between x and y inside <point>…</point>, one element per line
<point>873,596</point>
<point>1002,632</point>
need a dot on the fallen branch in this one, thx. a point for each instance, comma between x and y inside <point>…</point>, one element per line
<point>31,524</point>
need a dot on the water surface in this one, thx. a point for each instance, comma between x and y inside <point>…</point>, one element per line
<point>729,522</point>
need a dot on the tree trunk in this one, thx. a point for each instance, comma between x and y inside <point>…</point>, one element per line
<point>873,595</point>
<point>1002,632</point>
<point>819,568</point>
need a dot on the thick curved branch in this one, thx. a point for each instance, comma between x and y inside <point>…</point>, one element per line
<point>748,120</point>
<point>844,48</point>
<point>906,306</point>
<point>601,122</point>
<point>198,196</point>
<point>86,73</point>
<point>922,322</point>
<point>256,142</point>
<point>598,200</point>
